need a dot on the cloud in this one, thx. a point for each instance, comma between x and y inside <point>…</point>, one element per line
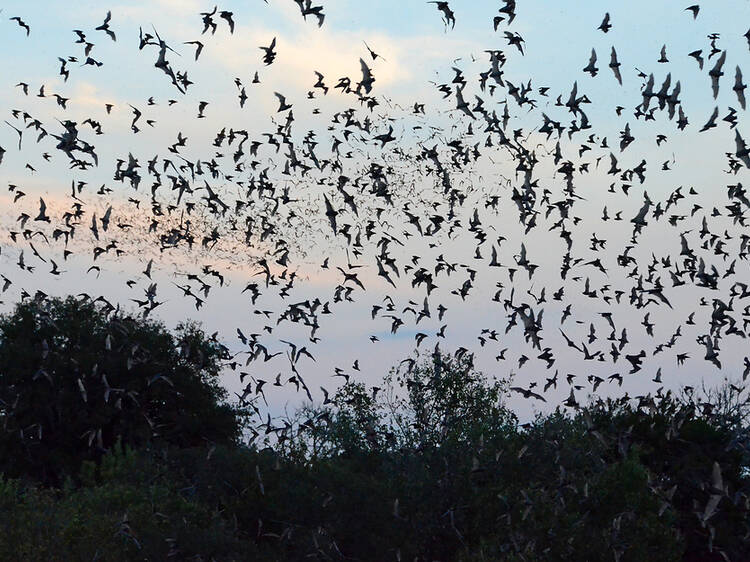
<point>336,54</point>
<point>87,98</point>
<point>165,10</point>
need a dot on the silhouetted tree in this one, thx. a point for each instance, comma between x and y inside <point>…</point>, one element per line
<point>76,377</point>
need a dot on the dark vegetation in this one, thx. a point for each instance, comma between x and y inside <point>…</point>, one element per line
<point>117,443</point>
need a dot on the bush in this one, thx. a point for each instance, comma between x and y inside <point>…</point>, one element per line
<point>128,510</point>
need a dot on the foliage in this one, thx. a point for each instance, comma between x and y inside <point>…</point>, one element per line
<point>430,465</point>
<point>130,511</point>
<point>75,378</point>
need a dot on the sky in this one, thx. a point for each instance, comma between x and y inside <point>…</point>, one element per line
<point>418,53</point>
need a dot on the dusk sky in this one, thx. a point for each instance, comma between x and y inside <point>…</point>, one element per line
<point>441,161</point>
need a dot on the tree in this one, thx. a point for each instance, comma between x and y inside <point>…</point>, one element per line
<point>76,378</point>
<point>449,401</point>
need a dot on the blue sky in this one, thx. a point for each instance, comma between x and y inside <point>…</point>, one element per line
<point>417,49</point>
